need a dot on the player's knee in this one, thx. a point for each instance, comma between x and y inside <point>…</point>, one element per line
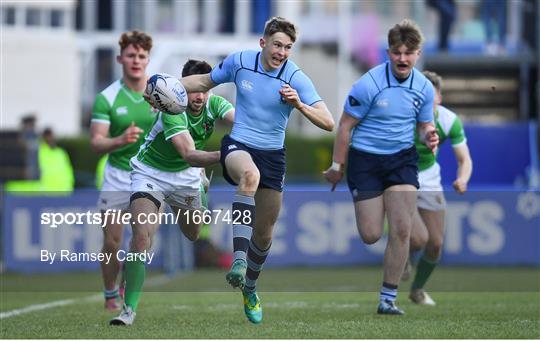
<point>434,247</point>
<point>250,179</point>
<point>402,234</point>
<point>370,237</point>
<point>418,241</point>
<point>140,242</point>
<point>401,229</point>
<point>111,244</point>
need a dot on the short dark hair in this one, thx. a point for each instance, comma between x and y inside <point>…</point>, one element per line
<point>28,119</point>
<point>195,67</point>
<point>135,38</point>
<point>280,24</point>
<point>405,33</point>
<point>47,131</point>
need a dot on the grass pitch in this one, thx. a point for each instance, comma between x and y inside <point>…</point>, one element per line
<point>298,303</point>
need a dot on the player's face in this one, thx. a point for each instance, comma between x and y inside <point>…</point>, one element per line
<point>275,50</point>
<point>134,61</point>
<point>197,101</point>
<point>403,60</point>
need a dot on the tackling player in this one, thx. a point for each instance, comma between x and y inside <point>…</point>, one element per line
<point>166,171</point>
<point>120,118</point>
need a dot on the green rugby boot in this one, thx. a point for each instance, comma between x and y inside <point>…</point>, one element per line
<point>252,307</point>
<point>237,275</point>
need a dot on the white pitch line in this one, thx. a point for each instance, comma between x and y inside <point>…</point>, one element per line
<point>35,307</point>
<point>154,281</point>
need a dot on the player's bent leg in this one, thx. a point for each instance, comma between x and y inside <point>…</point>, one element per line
<point>434,221</point>
<point>419,233</point>
<point>435,225</point>
<point>369,215</point>
<point>419,237</point>
<point>186,222</point>
<point>241,168</point>
<point>142,205</point>
<point>269,204</point>
<point>112,239</point>
<point>243,171</point>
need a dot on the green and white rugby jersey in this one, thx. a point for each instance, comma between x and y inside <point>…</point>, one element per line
<point>158,152</point>
<point>448,126</point>
<point>118,106</point>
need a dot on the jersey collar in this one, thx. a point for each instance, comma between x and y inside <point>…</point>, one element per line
<point>391,80</point>
<point>270,73</point>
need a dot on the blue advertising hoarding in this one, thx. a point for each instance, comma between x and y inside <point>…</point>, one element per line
<point>315,228</point>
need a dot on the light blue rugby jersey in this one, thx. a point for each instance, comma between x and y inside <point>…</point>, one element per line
<point>261,115</point>
<point>388,110</point>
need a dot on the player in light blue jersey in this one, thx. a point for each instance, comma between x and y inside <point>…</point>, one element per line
<point>378,123</point>
<point>268,86</point>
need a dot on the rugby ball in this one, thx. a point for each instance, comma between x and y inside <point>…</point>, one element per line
<point>166,93</point>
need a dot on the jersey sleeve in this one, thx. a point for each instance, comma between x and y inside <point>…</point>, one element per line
<point>224,72</point>
<point>174,124</point>
<point>425,112</point>
<point>101,111</point>
<point>305,88</point>
<point>359,99</point>
<point>219,106</point>
<point>456,133</point>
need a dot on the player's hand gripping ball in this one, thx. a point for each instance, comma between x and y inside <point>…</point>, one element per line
<point>166,93</point>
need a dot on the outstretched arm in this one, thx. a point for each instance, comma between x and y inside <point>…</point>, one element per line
<point>317,113</point>
<point>198,83</point>
<point>464,170</point>
<point>185,146</point>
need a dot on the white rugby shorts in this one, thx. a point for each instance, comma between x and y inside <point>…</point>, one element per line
<point>116,189</point>
<point>430,193</point>
<point>179,189</point>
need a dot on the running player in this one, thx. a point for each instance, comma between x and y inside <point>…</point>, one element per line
<point>120,118</point>
<point>166,170</point>
<point>268,87</point>
<point>382,110</point>
<point>428,223</point>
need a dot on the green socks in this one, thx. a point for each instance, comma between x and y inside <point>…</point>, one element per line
<point>423,271</point>
<point>135,272</point>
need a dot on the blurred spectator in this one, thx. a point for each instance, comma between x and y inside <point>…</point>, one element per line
<point>447,16</point>
<point>30,136</point>
<point>100,170</point>
<point>494,13</point>
<point>364,43</point>
<point>55,165</point>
